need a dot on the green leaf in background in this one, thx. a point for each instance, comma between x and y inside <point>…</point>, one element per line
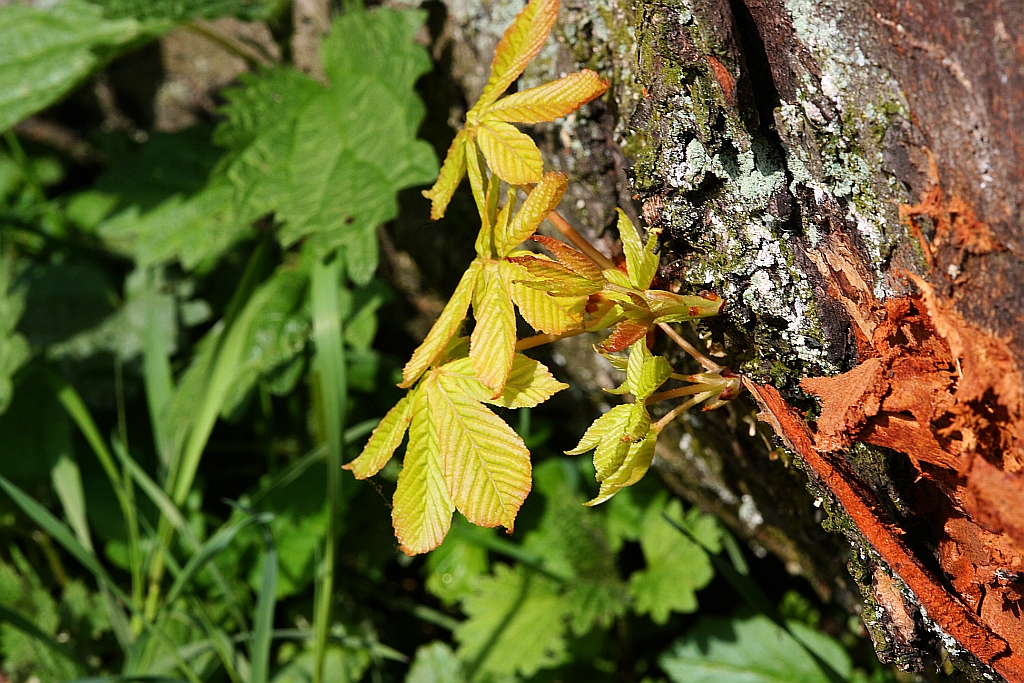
<point>183,10</point>
<point>573,544</point>
<point>751,650</point>
<point>514,624</point>
<point>327,162</point>
<point>341,665</point>
<point>46,53</point>
<point>435,663</point>
<point>355,144</point>
<point>277,334</point>
<point>14,349</point>
<point>676,566</point>
<point>456,564</point>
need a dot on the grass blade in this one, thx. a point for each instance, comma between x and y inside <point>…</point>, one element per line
<point>213,546</point>
<point>59,532</point>
<point>76,408</point>
<point>156,372</point>
<point>25,625</point>
<point>333,390</point>
<point>263,624</point>
<point>67,482</point>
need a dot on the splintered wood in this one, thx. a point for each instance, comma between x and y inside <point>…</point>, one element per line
<point>949,399</point>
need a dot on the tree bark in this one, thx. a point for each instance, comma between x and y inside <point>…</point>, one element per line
<point>848,175</point>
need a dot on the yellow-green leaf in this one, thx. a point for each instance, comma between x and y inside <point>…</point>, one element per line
<point>529,384</point>
<point>672,308</point>
<point>552,278</point>
<point>641,261</point>
<point>386,437</point>
<point>486,464</point>
<point>510,153</point>
<point>632,470</point>
<point>492,345</point>
<point>521,43</point>
<point>445,327</point>
<point>549,101</point>
<point>422,506</point>
<point>645,372</point>
<point>542,311</point>
<point>452,171</point>
<point>474,169</point>
<point>542,200</point>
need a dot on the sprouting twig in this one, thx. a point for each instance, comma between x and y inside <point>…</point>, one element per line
<point>541,339</point>
<point>708,364</point>
<point>579,241</point>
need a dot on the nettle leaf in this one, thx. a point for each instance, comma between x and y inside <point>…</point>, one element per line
<point>752,649</point>
<point>385,439</point>
<point>641,261</point>
<point>422,507</point>
<point>486,464</point>
<point>327,162</point>
<point>514,623</point>
<point>45,53</point>
<point>512,155</point>
<point>520,43</point>
<point>541,201</point>
<point>676,566</point>
<point>549,101</point>
<point>445,327</point>
<point>493,341</point>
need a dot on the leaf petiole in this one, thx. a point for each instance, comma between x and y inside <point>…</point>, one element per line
<point>542,339</point>
<point>709,364</point>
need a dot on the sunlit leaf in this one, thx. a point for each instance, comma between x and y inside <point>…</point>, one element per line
<point>510,153</point>
<point>633,468</point>
<point>529,383</point>
<point>549,101</point>
<point>541,201</point>
<point>493,341</point>
<point>543,311</point>
<point>625,334</point>
<point>552,278</point>
<point>446,326</point>
<point>486,464</point>
<point>521,43</point>
<point>670,308</point>
<point>385,439</point>
<point>422,507</point>
<point>641,261</point>
<point>452,172</point>
<point>645,372</point>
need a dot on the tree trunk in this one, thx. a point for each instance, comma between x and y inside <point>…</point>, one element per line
<point>848,176</point>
